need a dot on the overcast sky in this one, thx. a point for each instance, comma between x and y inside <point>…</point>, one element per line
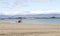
<point>13,7</point>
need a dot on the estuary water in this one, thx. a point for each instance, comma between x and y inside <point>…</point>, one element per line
<point>42,21</point>
<point>35,21</point>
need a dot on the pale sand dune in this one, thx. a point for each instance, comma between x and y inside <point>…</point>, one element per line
<point>20,29</point>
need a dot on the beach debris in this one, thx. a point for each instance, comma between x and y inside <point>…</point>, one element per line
<point>19,21</point>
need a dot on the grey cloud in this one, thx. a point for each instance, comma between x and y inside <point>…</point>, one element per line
<point>19,3</point>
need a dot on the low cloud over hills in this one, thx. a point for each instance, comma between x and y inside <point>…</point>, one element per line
<point>33,15</point>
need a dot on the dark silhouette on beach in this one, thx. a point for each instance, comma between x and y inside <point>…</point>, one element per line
<point>20,19</point>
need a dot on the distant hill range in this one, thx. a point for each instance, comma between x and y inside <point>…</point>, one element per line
<point>30,15</point>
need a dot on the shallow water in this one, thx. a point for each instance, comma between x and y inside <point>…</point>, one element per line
<point>42,21</point>
<point>35,21</point>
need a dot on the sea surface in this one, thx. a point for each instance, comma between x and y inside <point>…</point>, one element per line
<point>35,21</point>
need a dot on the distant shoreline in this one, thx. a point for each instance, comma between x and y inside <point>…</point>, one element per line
<point>30,18</point>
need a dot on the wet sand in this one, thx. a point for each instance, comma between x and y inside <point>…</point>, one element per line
<point>22,29</point>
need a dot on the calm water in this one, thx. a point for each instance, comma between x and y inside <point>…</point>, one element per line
<point>43,21</point>
<point>35,21</point>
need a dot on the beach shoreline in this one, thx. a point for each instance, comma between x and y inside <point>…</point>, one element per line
<point>17,29</point>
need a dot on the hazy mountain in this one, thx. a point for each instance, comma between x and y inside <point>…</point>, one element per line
<point>30,15</point>
<point>39,15</point>
<point>5,16</point>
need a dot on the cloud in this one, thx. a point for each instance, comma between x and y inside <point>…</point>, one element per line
<point>15,13</point>
<point>45,12</point>
<point>31,12</point>
<point>14,4</point>
<point>19,3</point>
<point>7,13</point>
<point>42,0</point>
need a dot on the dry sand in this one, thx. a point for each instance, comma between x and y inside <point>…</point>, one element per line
<point>20,29</point>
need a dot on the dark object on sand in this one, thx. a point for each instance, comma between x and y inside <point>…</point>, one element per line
<point>19,21</point>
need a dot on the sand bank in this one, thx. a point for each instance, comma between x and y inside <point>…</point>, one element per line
<point>20,29</point>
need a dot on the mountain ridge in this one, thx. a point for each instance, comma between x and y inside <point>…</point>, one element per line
<point>30,15</point>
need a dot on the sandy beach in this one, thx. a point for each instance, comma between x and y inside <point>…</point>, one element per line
<point>22,29</point>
